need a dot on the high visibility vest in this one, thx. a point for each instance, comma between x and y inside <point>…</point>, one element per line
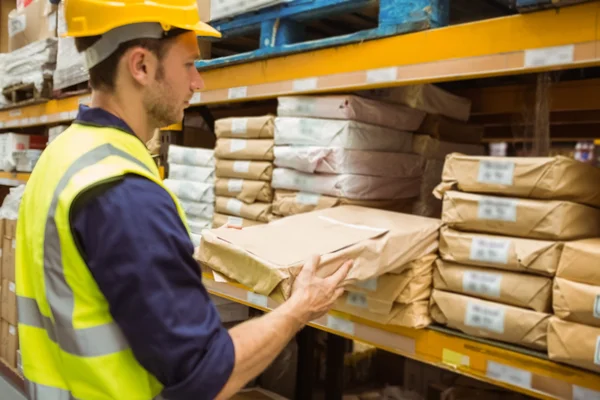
<point>71,348</point>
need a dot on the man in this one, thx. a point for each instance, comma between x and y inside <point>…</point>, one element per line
<point>111,303</point>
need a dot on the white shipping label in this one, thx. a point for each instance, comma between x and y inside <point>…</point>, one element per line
<point>237,145</point>
<point>496,172</point>
<point>305,106</point>
<point>239,126</point>
<point>307,198</point>
<point>235,185</point>
<point>12,330</point>
<point>357,300</point>
<point>581,393</point>
<point>549,56</point>
<point>485,316</point>
<point>370,284</point>
<point>495,208</point>
<point>235,221</point>
<point>241,166</point>
<point>12,287</point>
<point>490,250</point>
<point>234,206</point>
<point>301,85</point>
<point>597,307</point>
<point>484,283</point>
<point>16,24</point>
<point>597,356</point>
<point>341,325</point>
<point>257,299</point>
<point>382,75</point>
<point>14,113</point>
<point>510,375</point>
<point>238,92</point>
<point>14,243</point>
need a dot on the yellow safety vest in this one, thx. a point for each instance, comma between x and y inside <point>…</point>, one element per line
<point>71,348</point>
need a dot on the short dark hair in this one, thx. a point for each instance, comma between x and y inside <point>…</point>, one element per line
<point>103,75</point>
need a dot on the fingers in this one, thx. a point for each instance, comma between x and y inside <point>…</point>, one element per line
<point>338,276</point>
<point>234,227</point>
<point>310,267</point>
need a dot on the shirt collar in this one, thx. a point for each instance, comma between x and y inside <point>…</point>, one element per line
<point>101,118</point>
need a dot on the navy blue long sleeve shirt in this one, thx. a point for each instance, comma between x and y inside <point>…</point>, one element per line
<point>140,255</point>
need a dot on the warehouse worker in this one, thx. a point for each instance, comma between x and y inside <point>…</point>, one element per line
<point>111,303</point>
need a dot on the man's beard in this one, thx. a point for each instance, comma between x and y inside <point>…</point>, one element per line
<point>161,110</point>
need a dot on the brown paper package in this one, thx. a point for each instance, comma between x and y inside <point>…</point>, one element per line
<point>574,344</point>
<point>577,302</point>
<point>579,261</point>
<point>245,190</point>
<point>508,253</point>
<point>512,288</point>
<point>9,302</point>
<point>255,211</point>
<point>254,170</point>
<point>378,242</point>
<point>10,344</point>
<point>534,219</point>
<point>548,178</point>
<point>245,149</point>
<point>222,219</point>
<point>490,320</point>
<point>287,202</point>
<point>414,315</point>
<point>246,128</point>
<point>8,258</point>
<point>449,130</point>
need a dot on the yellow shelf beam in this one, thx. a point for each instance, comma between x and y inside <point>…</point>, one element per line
<point>13,178</point>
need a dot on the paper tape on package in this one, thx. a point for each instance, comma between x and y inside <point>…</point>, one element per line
<point>427,205</point>
<point>537,257</point>
<point>193,174</point>
<point>253,170</point>
<point>449,130</point>
<point>357,187</point>
<point>535,219</point>
<point>255,211</point>
<point>335,160</point>
<point>245,190</point>
<point>354,108</point>
<point>191,191</point>
<point>430,147</point>
<point>191,156</point>
<point>378,242</point>
<point>577,302</point>
<point>426,97</point>
<point>286,203</point>
<point>197,225</point>
<point>490,320</point>
<point>574,344</point>
<point>290,131</point>
<point>548,178</point>
<point>512,288</point>
<point>239,222</point>
<point>579,261</point>
<point>244,149</point>
<point>246,128</point>
<point>197,209</point>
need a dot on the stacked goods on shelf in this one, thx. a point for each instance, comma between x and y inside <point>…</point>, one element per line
<point>574,332</point>
<point>229,8</point>
<point>499,254</point>
<point>337,150</point>
<point>19,151</point>
<point>244,167</point>
<point>70,64</point>
<point>8,335</point>
<point>392,254</point>
<point>54,131</point>
<point>191,179</point>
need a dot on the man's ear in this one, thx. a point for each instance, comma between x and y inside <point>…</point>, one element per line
<point>142,65</point>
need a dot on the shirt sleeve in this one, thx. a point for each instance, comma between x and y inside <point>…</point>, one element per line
<point>141,257</point>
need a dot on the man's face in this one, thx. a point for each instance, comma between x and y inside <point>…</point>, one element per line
<point>175,82</point>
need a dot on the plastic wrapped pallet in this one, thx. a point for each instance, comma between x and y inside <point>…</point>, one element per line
<point>252,170</point>
<point>430,147</point>
<point>70,65</point>
<point>26,160</point>
<point>356,187</point>
<point>378,242</point>
<point>574,344</point>
<point>32,64</point>
<point>579,260</point>
<point>427,205</point>
<point>339,133</point>
<point>245,190</point>
<point>354,108</point>
<point>549,178</point>
<point>191,191</point>
<point>221,219</point>
<point>246,128</point>
<point>577,302</point>
<point>449,130</point>
<point>507,253</point>
<point>191,173</point>
<point>414,315</point>
<point>191,156</point>
<point>490,320</point>
<point>534,219</point>
<point>335,160</point>
<point>245,149</point>
<point>255,211</point>
<point>512,288</point>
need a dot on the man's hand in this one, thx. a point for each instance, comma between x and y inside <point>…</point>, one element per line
<point>313,296</point>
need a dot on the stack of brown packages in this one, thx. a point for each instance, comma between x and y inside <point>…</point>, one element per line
<point>574,333</point>
<point>244,167</point>
<point>499,253</point>
<point>8,331</point>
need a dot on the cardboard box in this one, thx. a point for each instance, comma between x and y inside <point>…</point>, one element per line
<point>37,21</point>
<point>432,148</point>
<point>10,228</point>
<point>508,253</point>
<point>490,320</point>
<point>245,190</point>
<point>378,242</point>
<point>246,128</point>
<point>253,170</point>
<point>245,149</point>
<point>220,220</point>
<point>578,262</point>
<point>577,302</point>
<point>9,302</point>
<point>512,288</point>
<point>287,202</point>
<point>414,315</point>
<point>10,344</point>
<point>255,211</point>
<point>449,130</point>
<point>546,178</point>
<point>8,258</point>
<point>574,344</point>
<point>534,219</point>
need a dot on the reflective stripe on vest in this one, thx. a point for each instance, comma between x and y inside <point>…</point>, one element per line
<point>37,391</point>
